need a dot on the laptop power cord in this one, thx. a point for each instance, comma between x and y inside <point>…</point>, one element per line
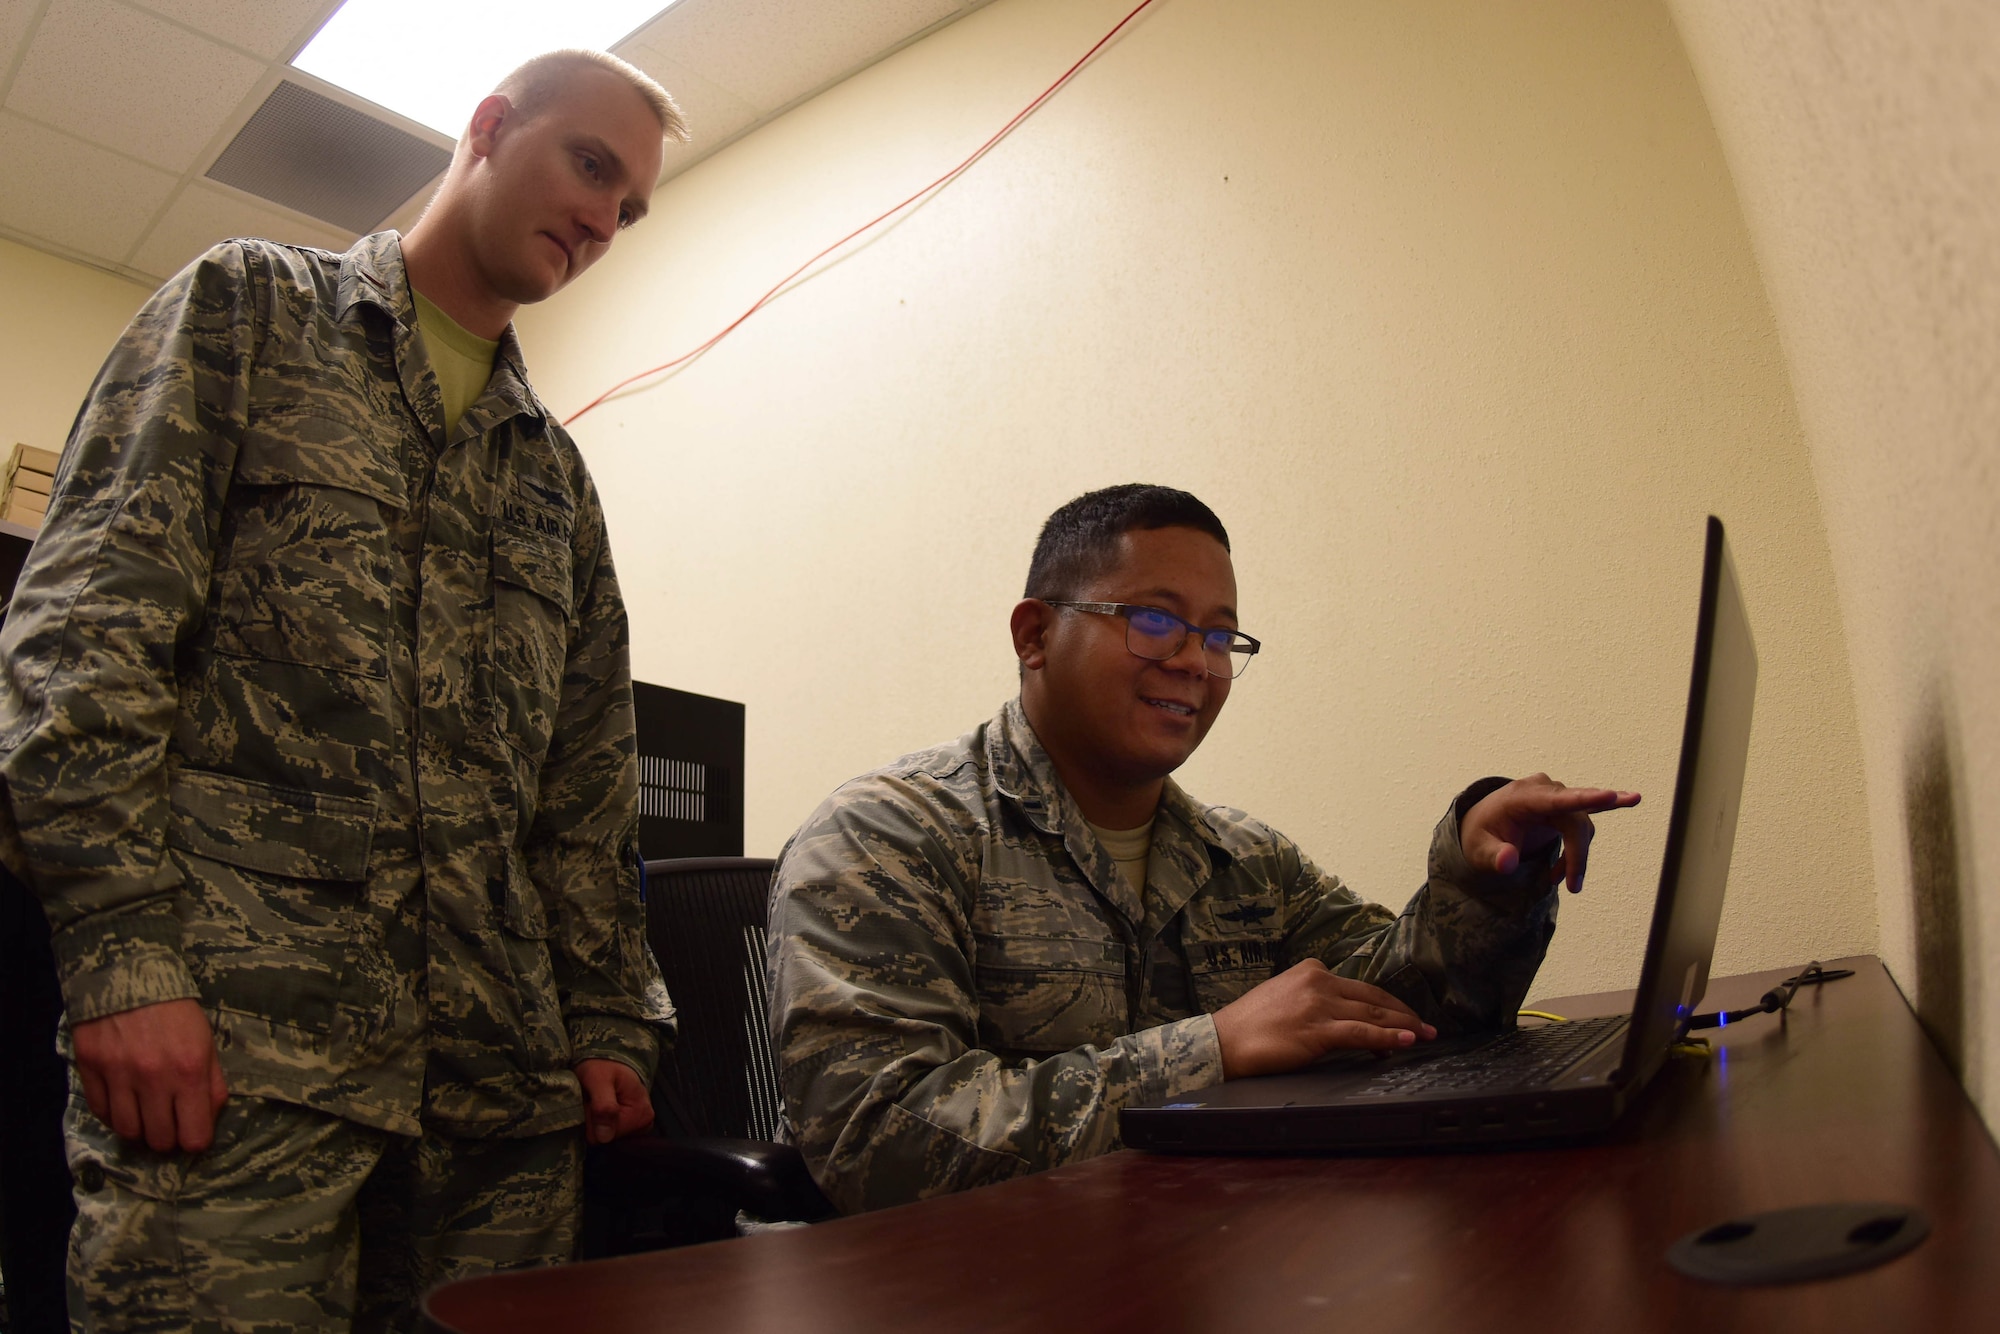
<point>1776,999</point>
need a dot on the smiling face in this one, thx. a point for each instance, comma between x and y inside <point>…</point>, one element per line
<point>555,184</point>
<point>1117,724</point>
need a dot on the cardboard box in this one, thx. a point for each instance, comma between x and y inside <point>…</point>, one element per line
<point>24,489</point>
<point>23,510</point>
<point>39,504</point>
<point>41,460</point>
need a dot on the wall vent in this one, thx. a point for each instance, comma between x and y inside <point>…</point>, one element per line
<point>673,789</point>
<point>324,158</point>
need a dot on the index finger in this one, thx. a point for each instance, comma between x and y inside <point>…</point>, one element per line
<point>96,1093</point>
<point>1358,1035</point>
<point>194,1117</point>
<point>1353,990</point>
<point>1578,800</point>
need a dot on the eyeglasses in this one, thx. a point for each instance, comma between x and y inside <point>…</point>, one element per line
<point>1158,635</point>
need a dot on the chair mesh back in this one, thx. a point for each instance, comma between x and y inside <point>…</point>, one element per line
<point>705,918</point>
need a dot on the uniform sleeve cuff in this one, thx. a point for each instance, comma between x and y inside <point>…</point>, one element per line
<point>111,962</point>
<point>1188,1056</point>
<point>605,1037</point>
<point>1507,894</point>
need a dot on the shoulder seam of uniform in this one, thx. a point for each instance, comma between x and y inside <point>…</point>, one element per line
<point>253,244</point>
<point>903,769</point>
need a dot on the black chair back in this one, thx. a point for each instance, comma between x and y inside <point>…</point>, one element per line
<point>705,917</point>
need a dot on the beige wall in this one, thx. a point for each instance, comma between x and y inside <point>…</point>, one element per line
<point>1448,309</point>
<point>1451,311</point>
<point>60,320</point>
<point>1865,142</point>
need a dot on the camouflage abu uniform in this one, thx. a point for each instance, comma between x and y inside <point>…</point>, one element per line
<point>324,719</point>
<point>965,989</point>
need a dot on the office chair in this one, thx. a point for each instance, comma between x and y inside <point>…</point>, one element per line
<point>716,1095</point>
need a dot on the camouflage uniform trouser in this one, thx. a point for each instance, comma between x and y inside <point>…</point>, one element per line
<point>299,1220</point>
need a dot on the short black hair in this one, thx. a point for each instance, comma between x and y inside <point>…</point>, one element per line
<point>1080,540</point>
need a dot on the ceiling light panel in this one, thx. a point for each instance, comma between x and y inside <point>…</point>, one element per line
<point>432,60</point>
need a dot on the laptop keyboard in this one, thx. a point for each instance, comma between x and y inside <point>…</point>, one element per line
<point>1523,1058</point>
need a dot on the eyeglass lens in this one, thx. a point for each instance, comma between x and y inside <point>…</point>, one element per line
<point>1152,634</point>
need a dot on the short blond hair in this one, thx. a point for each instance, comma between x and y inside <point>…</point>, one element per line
<point>531,85</point>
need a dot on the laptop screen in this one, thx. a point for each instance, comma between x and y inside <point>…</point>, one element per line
<point>1703,826</point>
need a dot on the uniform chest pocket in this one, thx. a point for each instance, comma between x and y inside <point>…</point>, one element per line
<point>1046,994</point>
<point>304,572</point>
<point>1223,969</point>
<point>532,604</point>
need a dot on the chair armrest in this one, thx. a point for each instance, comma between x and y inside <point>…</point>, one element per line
<point>767,1180</point>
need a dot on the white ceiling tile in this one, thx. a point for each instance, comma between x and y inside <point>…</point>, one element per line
<point>75,194</point>
<point>268,27</point>
<point>769,52</point>
<point>203,216</point>
<point>119,77</point>
<point>15,16</point>
<point>713,112</point>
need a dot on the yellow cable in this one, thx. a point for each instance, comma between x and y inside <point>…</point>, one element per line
<point>1691,1047</point>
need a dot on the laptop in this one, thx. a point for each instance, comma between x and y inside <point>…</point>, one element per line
<point>1528,1084</point>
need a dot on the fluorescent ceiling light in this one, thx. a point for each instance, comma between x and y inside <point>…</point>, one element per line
<point>432,60</point>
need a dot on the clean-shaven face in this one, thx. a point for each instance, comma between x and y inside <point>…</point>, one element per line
<point>1137,719</point>
<point>561,182</point>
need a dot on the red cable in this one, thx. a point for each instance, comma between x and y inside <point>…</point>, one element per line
<point>934,186</point>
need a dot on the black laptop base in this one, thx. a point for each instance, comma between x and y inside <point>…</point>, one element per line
<point>1516,1120</point>
<point>1352,1103</point>
<point>1475,1124</point>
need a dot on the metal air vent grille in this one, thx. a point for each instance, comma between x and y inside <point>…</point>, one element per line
<point>324,158</point>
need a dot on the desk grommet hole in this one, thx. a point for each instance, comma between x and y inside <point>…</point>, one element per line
<point>1876,1230</point>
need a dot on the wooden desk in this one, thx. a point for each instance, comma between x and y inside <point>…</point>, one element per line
<point>1845,1099</point>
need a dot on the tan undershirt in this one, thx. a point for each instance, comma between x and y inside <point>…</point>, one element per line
<point>1166,967</point>
<point>461,360</point>
<point>1131,849</point>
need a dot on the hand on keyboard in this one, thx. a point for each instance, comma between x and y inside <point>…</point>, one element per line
<point>1304,1013</point>
<point>1519,1058</point>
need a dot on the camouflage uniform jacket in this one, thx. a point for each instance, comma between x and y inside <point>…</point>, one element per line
<point>323,718</point>
<point>962,985</point>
